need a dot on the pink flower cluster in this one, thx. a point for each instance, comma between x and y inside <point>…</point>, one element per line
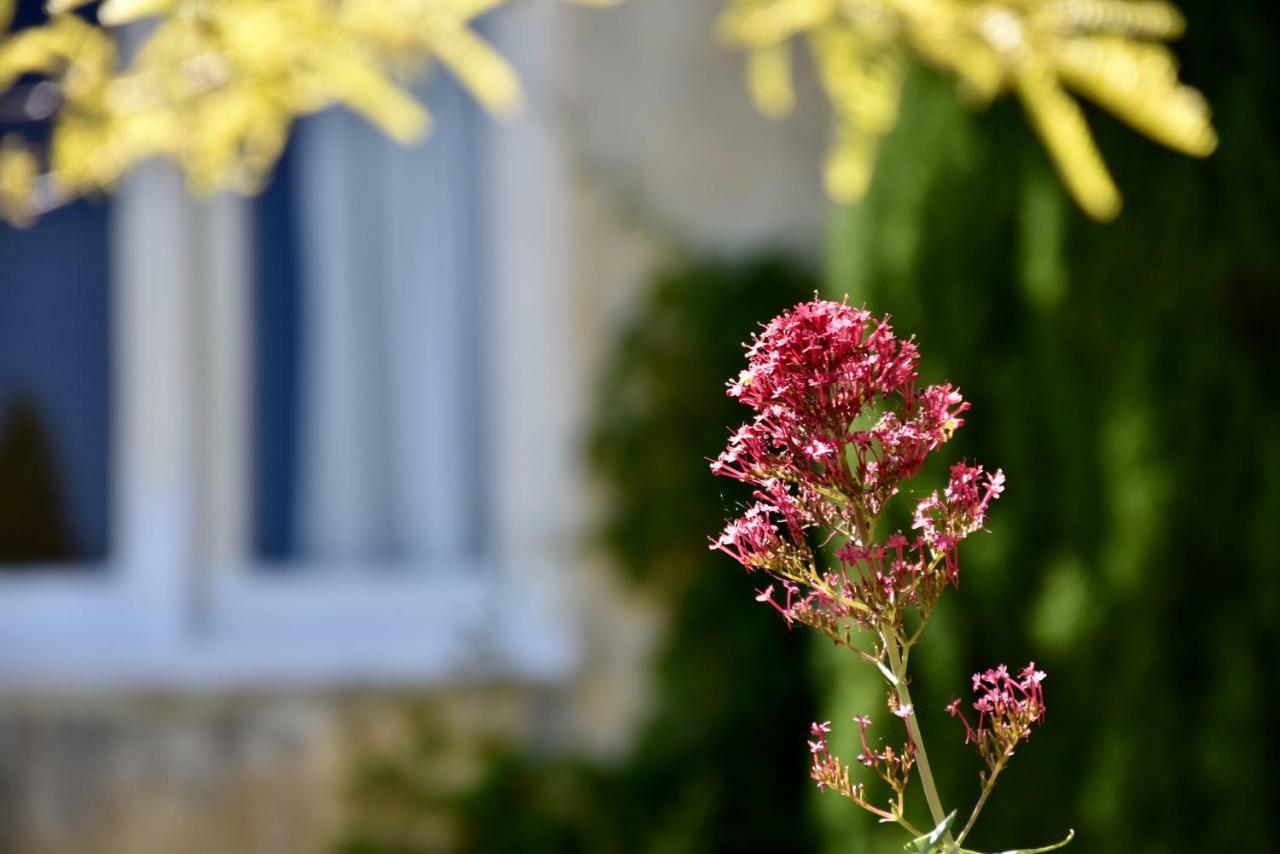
<point>961,509</point>
<point>811,375</point>
<point>885,761</point>
<point>828,770</point>
<point>892,766</point>
<point>839,425</point>
<point>1007,706</point>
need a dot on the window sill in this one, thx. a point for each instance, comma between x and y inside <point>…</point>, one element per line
<point>291,631</point>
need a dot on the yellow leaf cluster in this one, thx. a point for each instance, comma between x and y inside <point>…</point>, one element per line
<point>215,85</point>
<point>1112,52</point>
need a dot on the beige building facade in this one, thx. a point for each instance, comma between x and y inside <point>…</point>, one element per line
<point>181,697</point>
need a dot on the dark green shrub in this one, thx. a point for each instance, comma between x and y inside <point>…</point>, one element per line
<point>721,766</point>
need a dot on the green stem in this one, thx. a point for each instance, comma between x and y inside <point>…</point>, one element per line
<point>1071,834</point>
<point>987,785</point>
<point>890,639</point>
<point>887,816</point>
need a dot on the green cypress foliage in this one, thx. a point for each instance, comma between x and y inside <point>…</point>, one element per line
<point>1125,377</point>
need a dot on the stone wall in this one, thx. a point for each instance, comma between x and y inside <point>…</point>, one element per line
<point>225,774</point>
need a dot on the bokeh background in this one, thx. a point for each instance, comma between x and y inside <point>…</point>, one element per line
<point>369,514</point>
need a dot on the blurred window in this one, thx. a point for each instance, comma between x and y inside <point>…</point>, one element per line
<point>55,407</point>
<point>287,401</point>
<point>369,439</point>
<point>54,391</point>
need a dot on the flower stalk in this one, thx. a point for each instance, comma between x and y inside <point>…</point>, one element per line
<point>899,667</point>
<point>988,783</point>
<point>815,377</point>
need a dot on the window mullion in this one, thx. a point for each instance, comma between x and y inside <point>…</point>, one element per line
<point>156,488</point>
<point>220,283</point>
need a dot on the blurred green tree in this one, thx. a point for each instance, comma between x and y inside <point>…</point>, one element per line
<point>1125,378</point>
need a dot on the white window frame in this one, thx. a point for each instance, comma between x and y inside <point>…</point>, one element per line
<point>178,604</point>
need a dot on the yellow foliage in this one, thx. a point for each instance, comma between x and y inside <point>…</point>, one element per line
<point>216,84</point>
<point>1110,51</point>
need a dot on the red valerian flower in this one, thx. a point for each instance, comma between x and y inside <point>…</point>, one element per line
<point>892,766</point>
<point>1007,706</point>
<point>961,509</point>
<point>752,540</point>
<point>839,424</point>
